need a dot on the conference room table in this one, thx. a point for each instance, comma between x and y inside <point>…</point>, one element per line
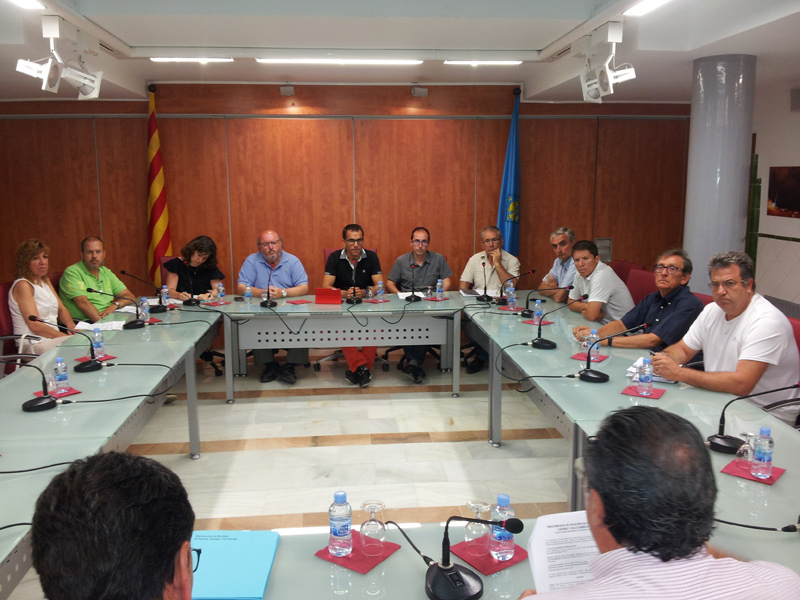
<point>301,323</point>
<point>148,362</point>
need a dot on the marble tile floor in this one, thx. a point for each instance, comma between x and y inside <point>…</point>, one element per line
<point>275,457</point>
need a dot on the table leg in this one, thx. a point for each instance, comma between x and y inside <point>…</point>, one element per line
<point>454,335</point>
<point>231,359</point>
<point>191,399</point>
<point>495,395</point>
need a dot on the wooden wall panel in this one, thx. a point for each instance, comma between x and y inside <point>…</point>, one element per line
<point>641,181</point>
<point>416,173</point>
<point>293,176</point>
<point>195,173</point>
<point>49,187</point>
<point>122,164</point>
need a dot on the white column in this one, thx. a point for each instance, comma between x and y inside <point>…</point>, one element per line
<point>720,138</point>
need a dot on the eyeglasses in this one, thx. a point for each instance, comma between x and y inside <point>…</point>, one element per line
<point>352,242</point>
<point>728,285</point>
<point>269,244</point>
<point>492,240</point>
<point>197,552</point>
<point>420,242</point>
<point>671,269</point>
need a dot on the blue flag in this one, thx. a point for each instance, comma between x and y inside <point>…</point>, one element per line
<point>508,211</point>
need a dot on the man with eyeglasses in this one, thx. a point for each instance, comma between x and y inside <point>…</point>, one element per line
<point>488,270</point>
<point>274,270</point>
<point>748,344</point>
<point>424,268</point>
<point>609,298</point>
<point>353,271</point>
<point>669,311</point>
<point>563,272</point>
<point>114,525</point>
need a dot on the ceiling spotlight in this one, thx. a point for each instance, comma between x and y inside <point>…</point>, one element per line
<point>419,92</point>
<point>87,84</point>
<point>287,90</point>
<point>590,87</point>
<point>49,72</point>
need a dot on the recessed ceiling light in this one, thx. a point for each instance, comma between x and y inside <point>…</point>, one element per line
<point>644,7</point>
<point>29,4</point>
<point>192,60</point>
<point>475,63</point>
<point>337,61</point>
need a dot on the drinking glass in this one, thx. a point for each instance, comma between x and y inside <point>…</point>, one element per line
<point>744,455</point>
<point>373,532</point>
<point>476,535</point>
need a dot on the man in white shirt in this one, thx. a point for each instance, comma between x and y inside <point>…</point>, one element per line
<point>609,298</point>
<point>492,266</point>
<point>748,344</point>
<point>650,494</point>
<point>563,272</point>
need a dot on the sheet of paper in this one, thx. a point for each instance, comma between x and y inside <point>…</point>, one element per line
<point>489,292</point>
<point>559,551</point>
<point>102,326</point>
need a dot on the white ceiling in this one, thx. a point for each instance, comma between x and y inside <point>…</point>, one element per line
<point>661,46</point>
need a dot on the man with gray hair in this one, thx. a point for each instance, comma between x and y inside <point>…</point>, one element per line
<point>563,272</point>
<point>747,343</point>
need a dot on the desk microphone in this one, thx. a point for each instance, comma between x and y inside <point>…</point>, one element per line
<point>413,297</point>
<point>45,401</point>
<point>85,367</point>
<point>484,297</point>
<point>728,444</point>
<point>589,374</point>
<point>160,308</point>
<point>502,301</point>
<point>542,344</point>
<point>448,581</point>
<point>137,323</point>
<point>269,302</point>
<point>528,313</point>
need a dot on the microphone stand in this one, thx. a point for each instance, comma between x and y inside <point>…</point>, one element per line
<point>590,375</point>
<point>413,297</point>
<point>137,323</point>
<point>729,444</point>
<point>528,313</point>
<point>502,301</point>
<point>484,297</point>
<point>355,299</point>
<point>543,344</point>
<point>269,303</point>
<point>85,367</point>
<point>45,401</point>
<point>160,308</point>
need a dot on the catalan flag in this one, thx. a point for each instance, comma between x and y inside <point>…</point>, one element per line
<point>508,211</point>
<point>158,236</point>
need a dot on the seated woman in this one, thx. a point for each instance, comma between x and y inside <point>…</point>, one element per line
<point>33,294</point>
<point>195,274</point>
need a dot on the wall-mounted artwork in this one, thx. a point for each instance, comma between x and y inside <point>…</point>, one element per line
<point>783,196</point>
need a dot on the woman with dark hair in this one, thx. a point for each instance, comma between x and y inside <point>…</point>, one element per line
<point>195,273</point>
<point>33,294</point>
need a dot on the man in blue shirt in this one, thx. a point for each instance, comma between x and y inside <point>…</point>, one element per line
<point>273,271</point>
<point>563,272</point>
<point>669,311</point>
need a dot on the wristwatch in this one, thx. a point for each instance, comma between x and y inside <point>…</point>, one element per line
<point>610,342</point>
<point>115,303</point>
<point>284,294</point>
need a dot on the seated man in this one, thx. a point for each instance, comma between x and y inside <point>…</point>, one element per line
<point>609,298</point>
<point>279,274</point>
<point>563,272</point>
<point>650,507</point>
<point>353,270</point>
<point>669,311</point>
<point>488,270</point>
<point>114,526</point>
<point>424,268</point>
<point>748,344</point>
<point>90,273</point>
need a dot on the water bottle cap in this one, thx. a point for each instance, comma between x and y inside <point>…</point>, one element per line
<point>594,331</point>
<point>438,281</point>
<point>97,330</point>
<point>503,500</point>
<point>143,299</point>
<point>646,361</point>
<point>765,431</point>
<point>538,302</point>
<point>340,497</point>
<point>59,359</point>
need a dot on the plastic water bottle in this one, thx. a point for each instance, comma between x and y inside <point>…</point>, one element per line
<point>380,292</point>
<point>761,466</point>
<point>97,343</point>
<point>501,544</point>
<point>144,309</point>
<point>164,295</point>
<point>61,376</point>
<point>511,296</point>
<point>220,292</point>
<point>645,387</point>
<point>248,295</point>
<point>439,289</point>
<point>340,515</point>
<point>538,311</point>
<point>594,349</point>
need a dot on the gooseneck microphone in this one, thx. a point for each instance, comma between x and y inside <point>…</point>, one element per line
<point>502,300</point>
<point>269,302</point>
<point>45,401</point>
<point>355,299</point>
<point>413,297</point>
<point>137,323</point>
<point>590,375</point>
<point>728,444</point>
<point>85,367</point>
<point>447,581</point>
<point>484,297</point>
<point>543,344</point>
<point>528,313</point>
<point>160,308</point>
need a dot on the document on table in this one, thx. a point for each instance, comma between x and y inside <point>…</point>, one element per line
<point>559,551</point>
<point>101,325</point>
<point>474,292</point>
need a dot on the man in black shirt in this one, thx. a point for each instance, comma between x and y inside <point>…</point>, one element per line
<point>353,271</point>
